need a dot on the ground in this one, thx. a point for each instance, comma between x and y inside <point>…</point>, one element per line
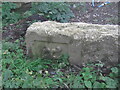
<point>107,14</point>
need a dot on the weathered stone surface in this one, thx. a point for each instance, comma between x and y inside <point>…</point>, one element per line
<point>81,41</point>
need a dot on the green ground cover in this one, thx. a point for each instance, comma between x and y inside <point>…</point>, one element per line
<point>20,71</point>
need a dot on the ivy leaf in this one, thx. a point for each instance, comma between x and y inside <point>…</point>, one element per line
<point>7,74</point>
<point>77,84</point>
<point>110,83</point>
<point>87,69</point>
<point>114,70</point>
<point>98,85</point>
<point>88,84</point>
<point>87,75</point>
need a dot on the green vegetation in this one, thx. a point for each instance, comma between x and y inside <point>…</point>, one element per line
<point>9,17</point>
<point>22,72</point>
<point>57,11</point>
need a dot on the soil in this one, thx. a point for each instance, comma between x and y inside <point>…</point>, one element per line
<point>108,14</point>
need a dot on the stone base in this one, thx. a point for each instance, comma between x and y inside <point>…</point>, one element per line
<point>81,41</point>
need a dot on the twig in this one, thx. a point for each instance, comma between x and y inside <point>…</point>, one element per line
<point>77,67</point>
<point>66,85</point>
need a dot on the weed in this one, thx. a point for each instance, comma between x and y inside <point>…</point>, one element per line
<point>9,17</point>
<point>21,72</point>
<point>57,11</point>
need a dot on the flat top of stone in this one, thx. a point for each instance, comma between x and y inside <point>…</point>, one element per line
<point>77,30</point>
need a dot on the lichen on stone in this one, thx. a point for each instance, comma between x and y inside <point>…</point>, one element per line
<point>82,41</point>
